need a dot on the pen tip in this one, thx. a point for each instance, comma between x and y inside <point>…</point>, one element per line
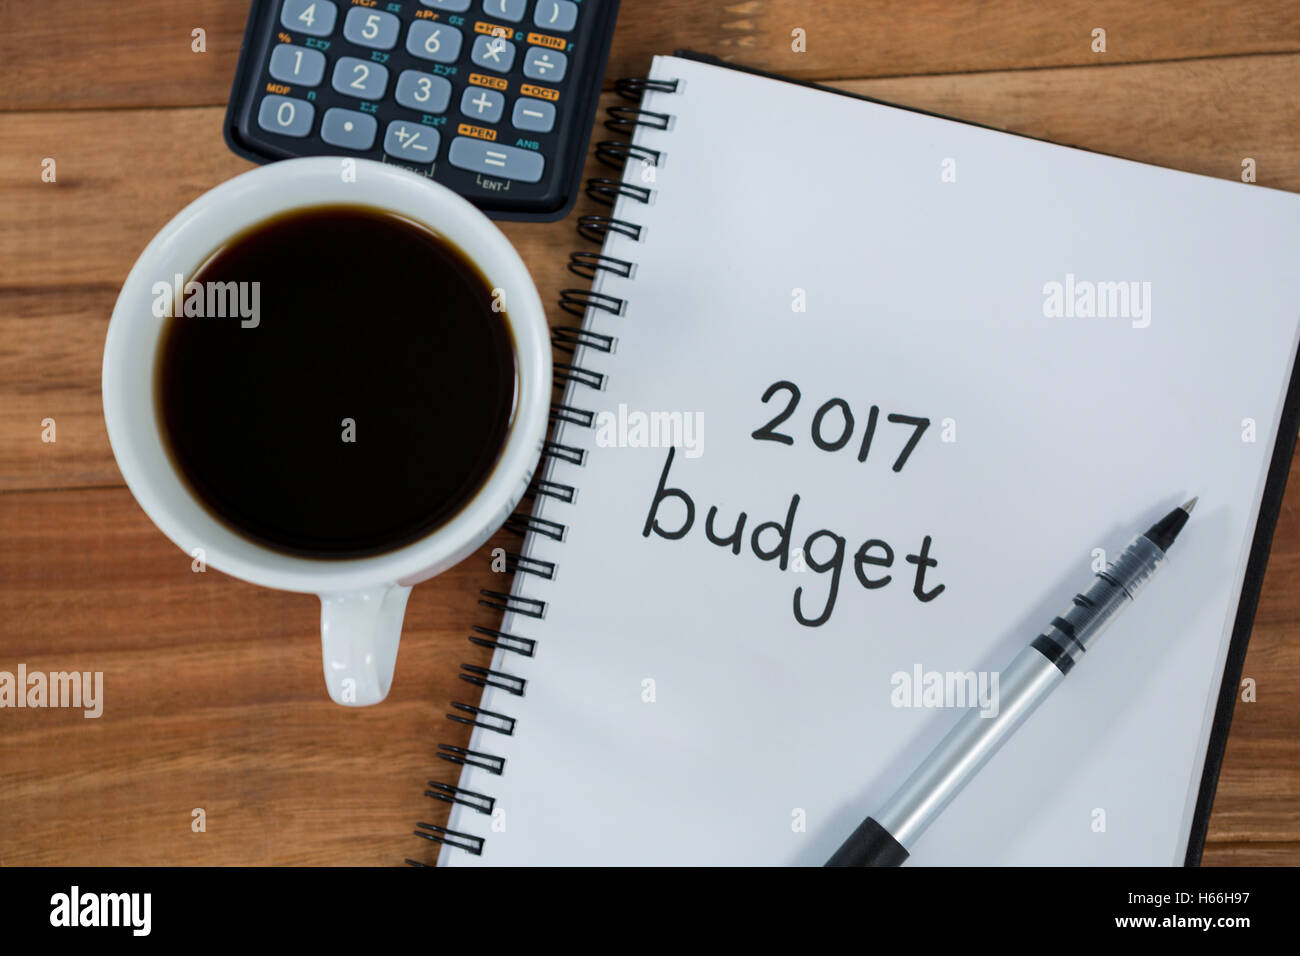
<point>1164,531</point>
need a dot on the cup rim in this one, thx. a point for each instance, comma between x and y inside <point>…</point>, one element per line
<point>230,208</point>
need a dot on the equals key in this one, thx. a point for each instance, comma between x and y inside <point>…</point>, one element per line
<point>493,159</point>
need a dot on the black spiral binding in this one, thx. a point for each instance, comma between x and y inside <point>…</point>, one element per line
<point>577,302</point>
<point>607,191</point>
<point>616,153</point>
<point>596,228</point>
<point>587,264</point>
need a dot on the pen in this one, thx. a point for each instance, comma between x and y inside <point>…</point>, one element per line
<point>884,840</point>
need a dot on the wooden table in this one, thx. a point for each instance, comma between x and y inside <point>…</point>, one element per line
<point>214,696</point>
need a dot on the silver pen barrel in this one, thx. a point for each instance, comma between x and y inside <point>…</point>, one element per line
<point>1022,686</point>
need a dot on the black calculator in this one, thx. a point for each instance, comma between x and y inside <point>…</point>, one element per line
<point>492,98</point>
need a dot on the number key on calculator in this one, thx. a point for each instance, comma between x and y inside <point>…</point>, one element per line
<point>492,98</point>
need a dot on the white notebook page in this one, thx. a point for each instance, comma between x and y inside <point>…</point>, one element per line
<point>676,712</point>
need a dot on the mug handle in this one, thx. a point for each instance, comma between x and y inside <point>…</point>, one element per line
<point>359,632</point>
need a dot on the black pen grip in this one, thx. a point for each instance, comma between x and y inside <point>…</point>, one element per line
<point>870,845</point>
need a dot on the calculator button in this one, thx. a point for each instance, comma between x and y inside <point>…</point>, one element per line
<point>433,41</point>
<point>451,6</point>
<point>559,15</point>
<point>348,128</point>
<point>535,116</point>
<point>543,64</point>
<point>288,117</point>
<point>480,156</point>
<point>312,17</point>
<point>360,78</point>
<point>512,10</point>
<point>423,91</point>
<point>493,53</point>
<point>411,141</point>
<point>481,104</point>
<point>377,30</point>
<point>296,64</point>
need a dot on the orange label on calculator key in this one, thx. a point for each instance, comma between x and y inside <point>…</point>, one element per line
<point>491,82</point>
<point>478,132</point>
<point>541,92</point>
<point>541,39</point>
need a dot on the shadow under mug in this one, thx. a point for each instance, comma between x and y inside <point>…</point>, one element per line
<point>363,600</point>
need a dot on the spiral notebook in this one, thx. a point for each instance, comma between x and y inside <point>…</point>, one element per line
<point>941,371</point>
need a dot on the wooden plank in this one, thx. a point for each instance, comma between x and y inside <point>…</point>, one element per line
<point>214,698</point>
<point>58,281</point>
<point>1200,116</point>
<point>1256,815</point>
<point>1250,854</point>
<point>48,371</point>
<point>849,38</point>
<point>83,55</point>
<point>112,195</point>
<point>1260,779</point>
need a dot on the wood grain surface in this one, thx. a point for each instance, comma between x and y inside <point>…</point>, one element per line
<point>214,697</point>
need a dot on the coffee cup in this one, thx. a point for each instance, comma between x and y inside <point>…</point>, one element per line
<point>363,598</point>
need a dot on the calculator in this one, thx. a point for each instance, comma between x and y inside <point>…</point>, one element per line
<point>492,98</point>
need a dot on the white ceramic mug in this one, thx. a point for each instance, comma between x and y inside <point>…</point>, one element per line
<point>363,599</point>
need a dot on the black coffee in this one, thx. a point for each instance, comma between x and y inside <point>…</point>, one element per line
<point>348,394</point>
